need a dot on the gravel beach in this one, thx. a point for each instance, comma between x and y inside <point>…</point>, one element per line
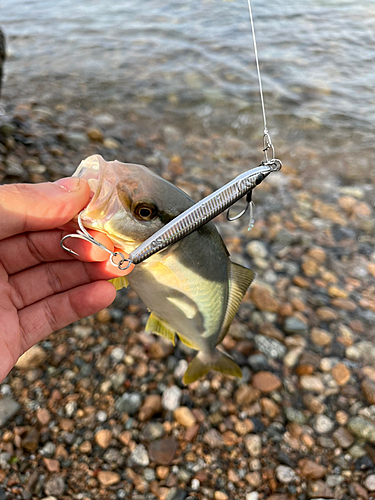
<point>99,411</point>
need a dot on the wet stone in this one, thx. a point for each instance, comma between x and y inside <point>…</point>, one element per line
<point>139,456</point>
<point>294,415</point>
<point>152,431</point>
<point>55,486</point>
<point>293,325</point>
<point>171,398</point>
<point>8,409</point>
<point>258,362</point>
<point>311,470</point>
<point>108,478</point>
<point>368,389</point>
<point>343,438</point>
<point>285,475</point>
<point>271,348</point>
<point>162,451</point>
<point>266,382</point>
<point>253,444</point>
<point>33,358</point>
<point>323,424</point>
<point>364,463</point>
<point>129,403</point>
<point>369,482</point>
<point>213,438</point>
<point>362,428</point>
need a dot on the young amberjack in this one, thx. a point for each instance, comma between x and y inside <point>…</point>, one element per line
<point>191,288</point>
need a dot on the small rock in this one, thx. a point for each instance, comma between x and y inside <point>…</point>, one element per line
<point>269,408</point>
<point>320,337</point>
<point>111,143</point>
<point>30,441</point>
<point>369,482</point>
<point>270,347</point>
<point>257,249</point>
<point>151,405</point>
<point>103,438</point>
<point>162,451</point>
<point>362,428</point>
<point>171,398</point>
<point>341,374</point>
<point>293,325</point>
<point>292,357</point>
<point>254,495</point>
<point>33,358</point>
<point>266,382</point>
<point>95,134</point>
<point>311,383</point>
<point>139,456</point>
<point>253,444</point>
<point>51,465</point>
<point>246,394</point>
<point>263,298</point>
<point>55,486</point>
<point>368,388</point>
<point>213,438</point>
<point>343,438</point>
<point>8,409</point>
<point>129,403</point>
<point>319,489</point>
<point>220,495</point>
<point>117,354</point>
<point>152,431</point>
<point>285,474</point>
<point>108,478</point>
<point>323,424</point>
<point>311,470</point>
<point>184,416</point>
<point>43,416</point>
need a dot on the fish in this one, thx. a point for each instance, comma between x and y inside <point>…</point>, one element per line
<point>191,288</point>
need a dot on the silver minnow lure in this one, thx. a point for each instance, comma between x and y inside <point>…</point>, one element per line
<point>203,211</point>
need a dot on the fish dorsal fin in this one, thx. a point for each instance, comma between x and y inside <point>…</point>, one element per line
<point>240,278</point>
<point>160,327</point>
<point>120,282</point>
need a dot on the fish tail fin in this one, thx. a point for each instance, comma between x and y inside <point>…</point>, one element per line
<point>203,363</point>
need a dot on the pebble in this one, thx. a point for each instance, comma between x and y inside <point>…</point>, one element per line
<point>295,326</point>
<point>108,478</point>
<point>368,388</point>
<point>55,486</point>
<point>341,374</point>
<point>253,495</point>
<point>152,431</point>
<point>33,358</point>
<point>323,424</point>
<point>362,428</point>
<point>263,298</point>
<point>311,470</point>
<point>213,438</point>
<point>257,249</point>
<point>139,456</point>
<point>369,482</point>
<point>311,383</point>
<point>103,438</point>
<point>184,416</point>
<point>171,398</point>
<point>8,409</point>
<point>266,382</point>
<point>162,451</point>
<point>117,354</point>
<point>343,438</point>
<point>220,495</point>
<point>320,337</point>
<point>285,474</point>
<point>270,347</point>
<point>129,403</point>
<point>253,444</point>
<point>43,416</point>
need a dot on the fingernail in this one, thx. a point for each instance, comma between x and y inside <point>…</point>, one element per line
<point>69,183</point>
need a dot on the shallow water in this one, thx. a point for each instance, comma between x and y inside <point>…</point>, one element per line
<point>191,65</point>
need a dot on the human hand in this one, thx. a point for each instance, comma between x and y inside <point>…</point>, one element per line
<point>42,287</point>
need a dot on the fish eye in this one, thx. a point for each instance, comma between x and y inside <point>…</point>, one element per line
<point>145,211</point>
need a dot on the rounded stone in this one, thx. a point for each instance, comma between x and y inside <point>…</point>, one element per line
<point>171,398</point>
<point>323,424</point>
<point>285,474</point>
<point>253,444</point>
<point>369,482</point>
<point>257,249</point>
<point>139,456</point>
<point>55,486</point>
<point>108,478</point>
<point>184,416</point>
<point>266,382</point>
<point>117,354</point>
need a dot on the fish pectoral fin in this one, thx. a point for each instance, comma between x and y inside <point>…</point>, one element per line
<point>160,327</point>
<point>203,363</point>
<point>240,278</point>
<point>120,282</point>
<point>187,342</point>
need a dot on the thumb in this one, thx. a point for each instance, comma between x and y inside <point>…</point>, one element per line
<point>36,207</point>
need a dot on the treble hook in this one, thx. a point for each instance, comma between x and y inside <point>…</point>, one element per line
<point>249,206</point>
<point>82,234</point>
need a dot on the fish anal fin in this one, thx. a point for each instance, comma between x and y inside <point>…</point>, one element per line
<point>160,327</point>
<point>120,282</point>
<point>240,278</point>
<point>201,365</point>
<point>187,342</point>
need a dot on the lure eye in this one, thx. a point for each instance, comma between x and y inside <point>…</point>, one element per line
<point>145,211</point>
<point>259,179</point>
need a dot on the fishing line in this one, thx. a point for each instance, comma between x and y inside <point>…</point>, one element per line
<point>267,143</point>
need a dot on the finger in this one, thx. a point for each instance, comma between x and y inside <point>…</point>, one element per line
<point>57,311</point>
<point>114,269</point>
<point>33,207</point>
<point>30,249</point>
<point>41,281</point>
